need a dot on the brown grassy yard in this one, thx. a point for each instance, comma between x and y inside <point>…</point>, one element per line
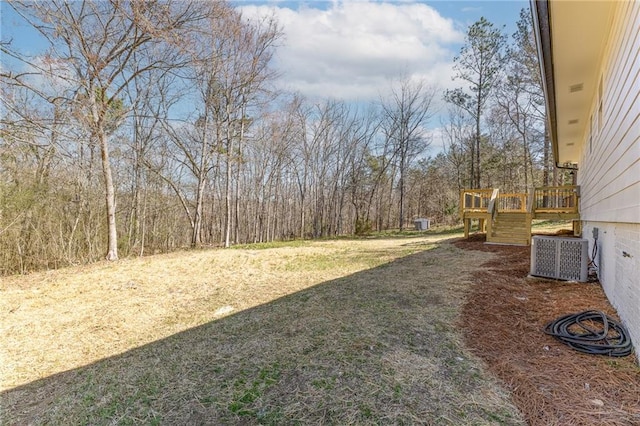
<point>369,331</point>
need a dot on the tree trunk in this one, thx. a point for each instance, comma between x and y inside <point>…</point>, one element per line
<point>401,184</point>
<point>227,198</point>
<point>112,245</point>
<point>476,178</point>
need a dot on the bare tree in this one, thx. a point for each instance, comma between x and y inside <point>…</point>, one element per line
<point>167,107</point>
<point>405,116</point>
<point>519,98</point>
<point>237,74</point>
<point>524,54</point>
<point>514,102</point>
<point>458,143</point>
<point>98,39</point>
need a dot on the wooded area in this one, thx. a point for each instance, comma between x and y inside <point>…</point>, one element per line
<point>149,127</point>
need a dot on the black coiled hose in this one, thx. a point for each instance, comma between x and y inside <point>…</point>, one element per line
<point>591,332</point>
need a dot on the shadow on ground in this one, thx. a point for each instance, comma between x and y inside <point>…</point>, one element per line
<point>377,347</point>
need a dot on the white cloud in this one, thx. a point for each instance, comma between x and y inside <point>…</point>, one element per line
<point>438,140</point>
<point>352,49</point>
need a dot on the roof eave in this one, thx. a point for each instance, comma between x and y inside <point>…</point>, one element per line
<point>542,32</point>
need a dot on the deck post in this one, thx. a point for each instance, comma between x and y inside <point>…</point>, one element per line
<point>577,227</point>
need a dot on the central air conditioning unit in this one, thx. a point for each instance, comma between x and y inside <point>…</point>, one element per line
<point>561,258</point>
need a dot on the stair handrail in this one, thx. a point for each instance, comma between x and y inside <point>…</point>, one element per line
<point>491,208</point>
<point>530,201</point>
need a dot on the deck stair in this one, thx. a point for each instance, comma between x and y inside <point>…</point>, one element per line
<point>510,228</point>
<point>507,217</point>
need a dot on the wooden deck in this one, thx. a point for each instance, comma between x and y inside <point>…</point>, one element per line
<point>506,217</point>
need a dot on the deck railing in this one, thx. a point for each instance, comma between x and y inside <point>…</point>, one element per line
<point>548,199</point>
<point>512,202</point>
<point>491,200</point>
<point>475,200</point>
<point>556,199</point>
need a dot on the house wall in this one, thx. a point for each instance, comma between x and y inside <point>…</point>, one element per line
<point>618,262</point>
<point>609,174</point>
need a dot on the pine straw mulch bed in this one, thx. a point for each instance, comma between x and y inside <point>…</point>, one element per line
<point>551,383</point>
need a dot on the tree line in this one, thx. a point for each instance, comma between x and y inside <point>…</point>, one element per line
<point>148,127</point>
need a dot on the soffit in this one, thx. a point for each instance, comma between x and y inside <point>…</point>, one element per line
<point>579,32</point>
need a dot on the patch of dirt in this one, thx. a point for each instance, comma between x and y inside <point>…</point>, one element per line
<point>550,383</point>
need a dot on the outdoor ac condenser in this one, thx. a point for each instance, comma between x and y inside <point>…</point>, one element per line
<point>560,258</point>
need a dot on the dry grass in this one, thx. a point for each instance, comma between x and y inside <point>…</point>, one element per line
<point>396,330</point>
<point>335,332</point>
<point>104,309</point>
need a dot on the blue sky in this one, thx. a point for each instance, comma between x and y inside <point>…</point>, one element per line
<point>352,50</point>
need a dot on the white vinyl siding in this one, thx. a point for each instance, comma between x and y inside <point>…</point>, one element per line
<point>610,171</point>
